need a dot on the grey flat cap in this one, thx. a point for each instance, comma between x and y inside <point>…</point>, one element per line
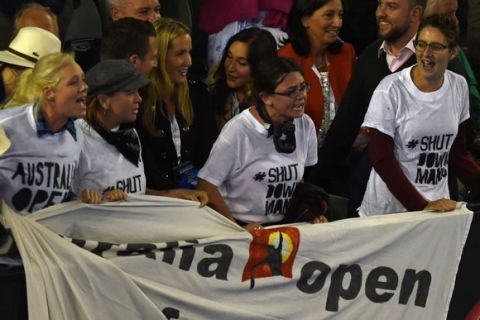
<point>113,75</point>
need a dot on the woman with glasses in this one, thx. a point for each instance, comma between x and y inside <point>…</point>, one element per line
<point>327,62</point>
<point>261,154</point>
<point>416,123</point>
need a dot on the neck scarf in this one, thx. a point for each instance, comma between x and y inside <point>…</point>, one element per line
<point>125,140</point>
<point>283,133</point>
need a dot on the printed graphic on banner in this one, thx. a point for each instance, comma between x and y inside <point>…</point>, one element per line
<point>272,253</point>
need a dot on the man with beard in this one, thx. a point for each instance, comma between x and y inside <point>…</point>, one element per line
<point>397,22</point>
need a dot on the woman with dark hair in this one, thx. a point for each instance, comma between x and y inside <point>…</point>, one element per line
<point>327,61</point>
<point>261,154</point>
<point>176,124</point>
<point>416,128</point>
<point>232,87</point>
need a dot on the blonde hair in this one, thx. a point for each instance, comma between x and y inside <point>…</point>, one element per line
<point>45,74</point>
<point>161,86</point>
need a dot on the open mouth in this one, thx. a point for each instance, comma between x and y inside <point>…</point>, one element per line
<point>299,107</point>
<point>428,65</point>
<point>82,101</point>
<point>333,32</point>
<point>231,78</point>
<point>382,24</point>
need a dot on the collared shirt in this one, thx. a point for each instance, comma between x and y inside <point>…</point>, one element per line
<point>396,61</point>
<point>43,129</point>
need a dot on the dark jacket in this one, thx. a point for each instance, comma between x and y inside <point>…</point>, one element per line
<point>159,154</point>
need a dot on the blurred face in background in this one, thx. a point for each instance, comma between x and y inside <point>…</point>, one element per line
<point>447,7</point>
<point>146,10</point>
<point>145,64</point>
<point>37,17</point>
<point>325,23</point>
<point>237,68</point>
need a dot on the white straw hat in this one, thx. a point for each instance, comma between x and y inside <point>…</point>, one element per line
<point>29,45</point>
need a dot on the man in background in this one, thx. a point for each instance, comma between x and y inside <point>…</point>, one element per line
<point>147,10</point>
<point>132,39</point>
<point>35,15</point>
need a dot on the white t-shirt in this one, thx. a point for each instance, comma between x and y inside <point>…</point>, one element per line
<point>255,180</point>
<point>102,167</point>
<point>423,126</point>
<point>36,173</point>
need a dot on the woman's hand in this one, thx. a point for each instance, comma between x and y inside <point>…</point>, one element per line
<point>114,195</point>
<point>187,194</point>
<point>441,205</point>
<point>320,219</point>
<point>253,226</point>
<point>91,196</point>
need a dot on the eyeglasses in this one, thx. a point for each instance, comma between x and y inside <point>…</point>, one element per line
<point>435,46</point>
<point>295,92</point>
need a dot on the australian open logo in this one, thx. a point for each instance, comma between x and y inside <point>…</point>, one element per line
<point>272,253</point>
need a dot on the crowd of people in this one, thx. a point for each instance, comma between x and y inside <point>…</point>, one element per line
<point>285,102</point>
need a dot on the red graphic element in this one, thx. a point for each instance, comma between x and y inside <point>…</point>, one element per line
<point>272,253</point>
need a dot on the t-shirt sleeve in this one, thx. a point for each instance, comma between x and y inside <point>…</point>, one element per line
<point>465,103</point>
<point>312,152</point>
<point>381,112</point>
<point>83,178</point>
<point>220,163</point>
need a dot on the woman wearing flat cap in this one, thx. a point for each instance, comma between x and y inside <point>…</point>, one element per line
<point>111,160</point>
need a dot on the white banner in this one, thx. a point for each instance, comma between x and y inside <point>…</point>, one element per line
<point>161,258</point>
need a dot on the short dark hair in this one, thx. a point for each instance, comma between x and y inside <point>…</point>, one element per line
<point>297,34</point>
<point>127,36</point>
<point>272,71</point>
<point>446,24</point>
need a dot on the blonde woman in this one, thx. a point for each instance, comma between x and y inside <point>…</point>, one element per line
<point>42,141</point>
<point>176,126</point>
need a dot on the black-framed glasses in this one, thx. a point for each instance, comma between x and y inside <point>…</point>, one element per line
<point>296,91</point>
<point>435,46</point>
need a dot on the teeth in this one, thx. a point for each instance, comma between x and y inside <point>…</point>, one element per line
<point>428,64</point>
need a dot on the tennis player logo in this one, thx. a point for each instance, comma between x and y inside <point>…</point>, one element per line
<point>272,253</point>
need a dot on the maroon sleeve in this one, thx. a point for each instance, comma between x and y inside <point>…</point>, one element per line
<point>465,166</point>
<point>380,150</point>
